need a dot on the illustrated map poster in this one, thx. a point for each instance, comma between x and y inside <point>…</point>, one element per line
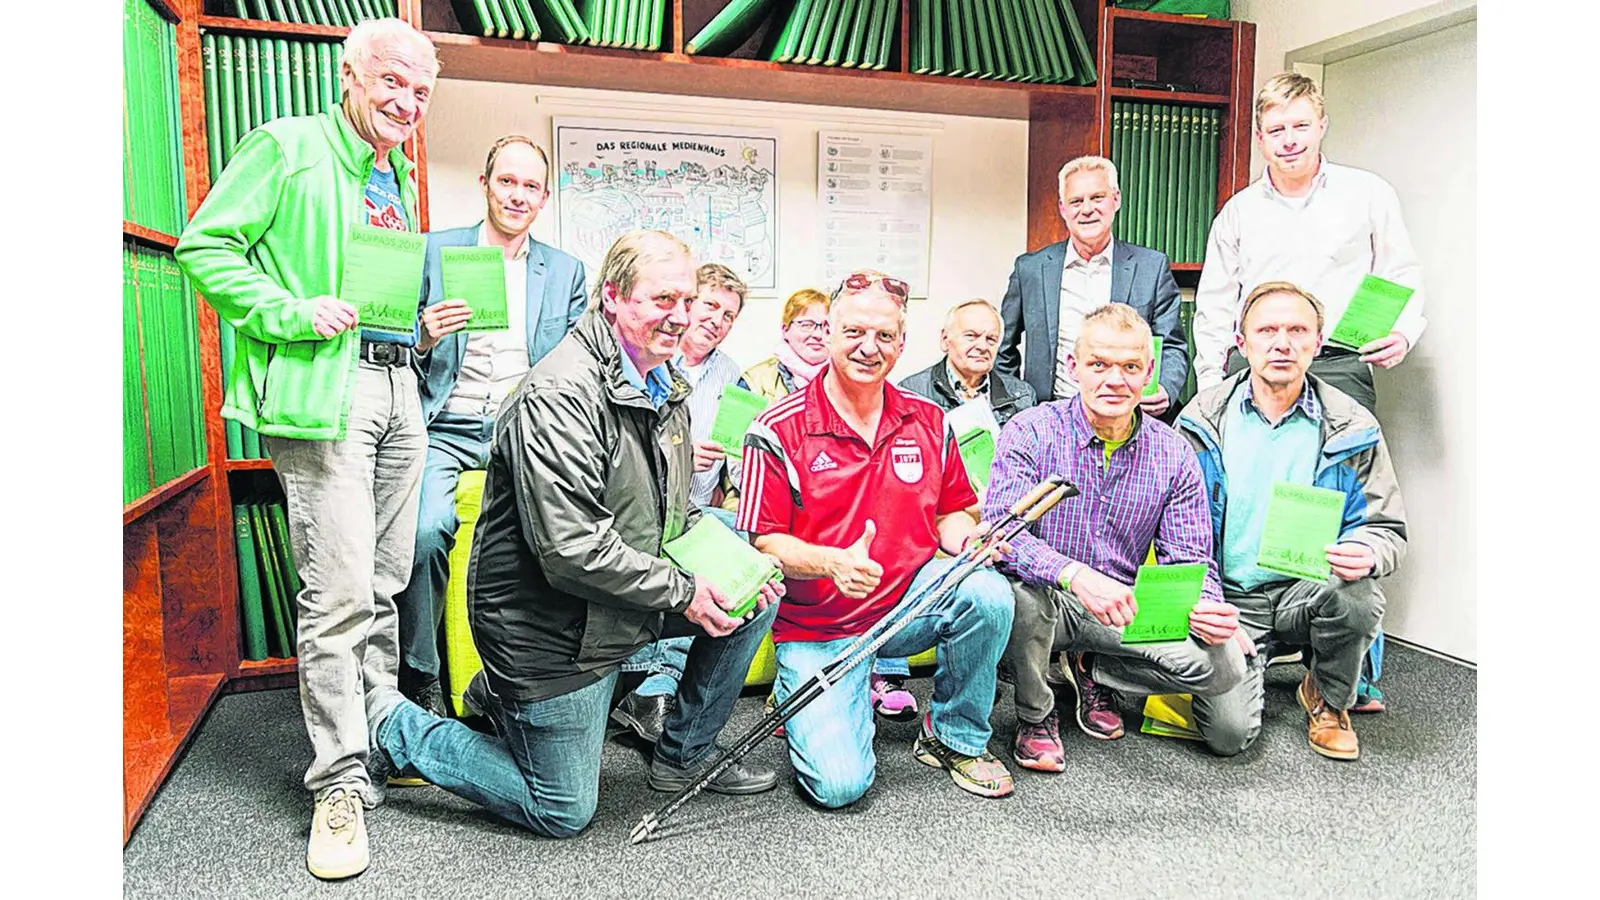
<point>874,191</point>
<point>713,187</point>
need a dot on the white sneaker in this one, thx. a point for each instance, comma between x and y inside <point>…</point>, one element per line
<point>338,845</point>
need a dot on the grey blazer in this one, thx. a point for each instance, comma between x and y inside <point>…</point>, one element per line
<point>555,301</point>
<point>1140,277</point>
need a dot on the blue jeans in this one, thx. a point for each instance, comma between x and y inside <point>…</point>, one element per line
<point>664,659</point>
<point>543,772</point>
<point>455,443</point>
<point>830,741</point>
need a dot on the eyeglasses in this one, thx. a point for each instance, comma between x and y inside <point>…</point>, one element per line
<point>860,282</point>
<point>810,326</point>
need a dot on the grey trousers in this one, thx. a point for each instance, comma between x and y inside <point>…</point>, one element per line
<point>1050,619</point>
<point>1338,621</point>
<point>352,509</point>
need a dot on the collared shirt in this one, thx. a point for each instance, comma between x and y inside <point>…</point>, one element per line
<point>960,386</point>
<point>495,361</point>
<point>807,473</point>
<point>1085,286</point>
<point>1346,228</point>
<point>1256,454</point>
<point>709,380</point>
<point>1150,490</point>
<point>656,386</point>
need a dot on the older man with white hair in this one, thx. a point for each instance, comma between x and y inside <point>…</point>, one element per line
<point>1053,288</point>
<point>969,339</point>
<point>336,402</point>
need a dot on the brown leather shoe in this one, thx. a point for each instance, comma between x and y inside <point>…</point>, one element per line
<point>1329,732</point>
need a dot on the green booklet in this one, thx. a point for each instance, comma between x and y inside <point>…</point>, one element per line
<point>1372,312</point>
<point>383,277</point>
<point>977,454</point>
<point>1301,522</point>
<point>737,410</point>
<point>1155,371</point>
<point>478,276</point>
<point>1164,596</point>
<point>713,551</point>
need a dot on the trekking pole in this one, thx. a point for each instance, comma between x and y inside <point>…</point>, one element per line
<point>1026,511</point>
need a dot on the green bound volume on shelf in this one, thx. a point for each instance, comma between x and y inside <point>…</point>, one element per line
<point>252,621</point>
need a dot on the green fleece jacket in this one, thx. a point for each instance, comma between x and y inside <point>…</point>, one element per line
<point>266,245</point>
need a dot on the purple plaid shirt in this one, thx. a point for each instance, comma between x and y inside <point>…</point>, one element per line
<point>1152,492</point>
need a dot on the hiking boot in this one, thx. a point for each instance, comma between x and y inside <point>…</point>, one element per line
<point>428,695</point>
<point>644,716</point>
<point>1038,746</point>
<point>891,700</point>
<point>1329,731</point>
<point>736,779</point>
<point>982,775</point>
<point>382,771</point>
<point>338,845</point>
<point>1098,715</point>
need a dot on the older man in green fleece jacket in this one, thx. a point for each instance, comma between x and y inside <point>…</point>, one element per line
<point>336,403</point>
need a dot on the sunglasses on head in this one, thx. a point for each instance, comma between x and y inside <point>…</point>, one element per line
<point>860,282</point>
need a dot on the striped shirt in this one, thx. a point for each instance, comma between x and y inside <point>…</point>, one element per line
<point>1150,492</point>
<point>708,380</point>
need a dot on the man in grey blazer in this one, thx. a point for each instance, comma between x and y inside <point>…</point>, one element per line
<point>1052,289</point>
<point>463,376</point>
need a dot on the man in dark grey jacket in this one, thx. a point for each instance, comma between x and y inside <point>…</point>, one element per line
<point>1053,288</point>
<point>588,477</point>
<point>972,332</point>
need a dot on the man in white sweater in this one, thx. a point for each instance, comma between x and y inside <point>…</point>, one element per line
<point>1321,226</point>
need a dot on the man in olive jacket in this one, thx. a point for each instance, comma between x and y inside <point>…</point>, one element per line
<point>588,478</point>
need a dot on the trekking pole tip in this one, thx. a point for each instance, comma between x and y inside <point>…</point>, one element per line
<point>642,831</point>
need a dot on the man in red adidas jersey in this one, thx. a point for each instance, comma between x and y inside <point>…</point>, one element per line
<point>853,485</point>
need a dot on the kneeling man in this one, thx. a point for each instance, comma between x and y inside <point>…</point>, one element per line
<point>588,476</point>
<point>1277,422</point>
<point>1140,485</point>
<point>854,485</point>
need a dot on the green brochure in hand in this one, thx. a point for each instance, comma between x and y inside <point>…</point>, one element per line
<point>737,410</point>
<point>478,276</point>
<point>1301,522</point>
<point>1164,596</point>
<point>711,550</point>
<point>383,277</point>
<point>1155,370</point>
<point>977,454</point>
<point>1372,312</point>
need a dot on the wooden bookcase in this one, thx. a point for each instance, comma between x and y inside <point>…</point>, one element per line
<point>181,639</point>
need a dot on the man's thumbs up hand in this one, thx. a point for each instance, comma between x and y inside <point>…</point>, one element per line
<point>853,571</point>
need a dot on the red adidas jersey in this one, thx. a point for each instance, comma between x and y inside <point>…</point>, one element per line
<point>807,473</point>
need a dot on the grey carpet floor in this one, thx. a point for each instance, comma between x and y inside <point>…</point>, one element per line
<point>1137,817</point>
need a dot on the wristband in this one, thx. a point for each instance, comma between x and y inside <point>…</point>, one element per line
<point>1069,573</point>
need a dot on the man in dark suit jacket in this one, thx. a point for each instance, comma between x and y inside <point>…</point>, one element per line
<point>464,376</point>
<point>1052,289</point>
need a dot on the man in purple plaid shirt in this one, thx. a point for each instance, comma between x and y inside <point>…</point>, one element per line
<point>1072,571</point>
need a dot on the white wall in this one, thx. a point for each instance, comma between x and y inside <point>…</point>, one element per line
<point>1285,25</point>
<point>979,187</point>
<point>1408,112</point>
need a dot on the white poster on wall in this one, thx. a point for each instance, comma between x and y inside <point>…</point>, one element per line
<point>875,195</point>
<point>714,187</point>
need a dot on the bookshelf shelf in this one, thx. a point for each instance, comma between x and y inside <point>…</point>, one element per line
<point>249,465</point>
<point>159,496</point>
<point>146,763</point>
<point>1187,267</point>
<point>1139,15</point>
<point>148,236</point>
<point>1121,93</point>
<point>230,25</point>
<point>491,59</point>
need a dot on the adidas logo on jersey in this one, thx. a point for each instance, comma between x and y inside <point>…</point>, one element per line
<point>823,462</point>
